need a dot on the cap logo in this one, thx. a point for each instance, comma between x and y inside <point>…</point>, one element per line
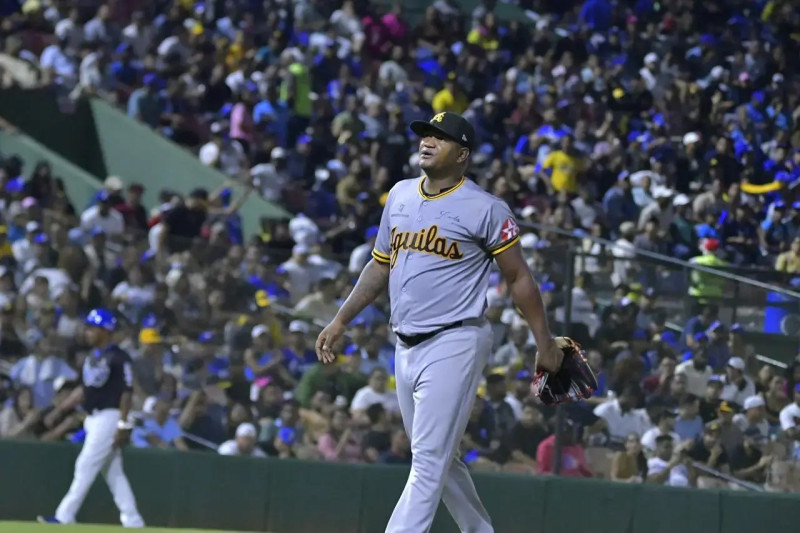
<point>464,137</point>
<point>438,117</point>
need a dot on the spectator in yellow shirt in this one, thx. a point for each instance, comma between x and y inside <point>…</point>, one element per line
<point>450,98</point>
<point>562,167</point>
<point>789,261</point>
<point>485,35</point>
<point>5,246</point>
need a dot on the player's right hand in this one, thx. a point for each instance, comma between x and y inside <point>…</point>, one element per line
<point>327,339</point>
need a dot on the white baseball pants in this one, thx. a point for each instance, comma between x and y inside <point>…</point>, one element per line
<point>99,455</point>
<point>436,385</point>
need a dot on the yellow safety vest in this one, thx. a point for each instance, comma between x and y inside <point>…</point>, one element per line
<point>704,283</point>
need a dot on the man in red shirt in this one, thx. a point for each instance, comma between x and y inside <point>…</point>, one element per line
<point>573,458</point>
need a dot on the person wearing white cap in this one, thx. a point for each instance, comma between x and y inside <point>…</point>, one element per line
<point>113,184</point>
<point>23,249</point>
<point>682,229</point>
<point>297,353</point>
<point>649,71</point>
<point>244,443</point>
<point>680,200</point>
<point>222,153</point>
<point>304,230</point>
<point>662,209</point>
<point>103,215</point>
<point>691,138</point>
<point>159,429</point>
<point>302,274</point>
<point>271,178</point>
<point>736,386</point>
<point>754,416</point>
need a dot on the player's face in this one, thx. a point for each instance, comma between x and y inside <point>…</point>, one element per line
<point>96,336</point>
<point>437,151</point>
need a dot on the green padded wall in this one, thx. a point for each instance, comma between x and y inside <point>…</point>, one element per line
<point>196,489</point>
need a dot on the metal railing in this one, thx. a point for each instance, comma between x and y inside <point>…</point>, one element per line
<point>724,273</point>
<point>744,298</point>
<point>768,311</point>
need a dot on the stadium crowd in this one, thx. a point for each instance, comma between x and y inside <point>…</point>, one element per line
<point>670,127</point>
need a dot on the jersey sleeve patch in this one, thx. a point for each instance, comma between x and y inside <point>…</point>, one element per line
<point>509,235</point>
<point>380,257</point>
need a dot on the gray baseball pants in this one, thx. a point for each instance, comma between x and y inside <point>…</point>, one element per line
<point>436,385</point>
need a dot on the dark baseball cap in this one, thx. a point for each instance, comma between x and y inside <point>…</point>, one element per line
<point>451,125</point>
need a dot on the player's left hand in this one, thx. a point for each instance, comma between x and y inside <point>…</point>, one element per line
<point>574,379</point>
<point>122,437</point>
<point>550,356</point>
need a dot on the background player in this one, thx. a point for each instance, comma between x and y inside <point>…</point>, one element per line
<point>437,238</point>
<point>107,378</point>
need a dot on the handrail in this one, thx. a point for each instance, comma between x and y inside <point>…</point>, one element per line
<point>667,259</point>
<point>725,477</point>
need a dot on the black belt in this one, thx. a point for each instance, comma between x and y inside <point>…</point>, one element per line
<point>413,340</point>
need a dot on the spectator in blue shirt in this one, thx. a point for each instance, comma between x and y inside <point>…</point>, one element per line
<point>740,236</point>
<point>774,232</point>
<point>159,429</point>
<point>297,354</point>
<point>272,116</point>
<point>144,103</point>
<point>596,14</point>
<point>718,351</point>
<point>40,370</point>
<point>688,424</point>
<point>618,202</point>
<point>697,324</point>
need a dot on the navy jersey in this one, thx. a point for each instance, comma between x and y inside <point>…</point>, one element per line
<point>107,373</point>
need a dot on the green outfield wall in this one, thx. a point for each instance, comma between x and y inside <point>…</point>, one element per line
<point>195,489</point>
<point>101,140</point>
<point>81,184</point>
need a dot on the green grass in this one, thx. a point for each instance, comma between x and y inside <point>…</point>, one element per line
<point>33,527</point>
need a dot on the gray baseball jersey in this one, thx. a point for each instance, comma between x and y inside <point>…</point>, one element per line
<point>440,248</point>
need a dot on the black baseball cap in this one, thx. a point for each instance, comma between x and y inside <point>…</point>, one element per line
<point>451,125</point>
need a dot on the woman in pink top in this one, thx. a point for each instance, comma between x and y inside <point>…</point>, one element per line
<point>393,20</point>
<point>338,443</point>
<point>242,120</point>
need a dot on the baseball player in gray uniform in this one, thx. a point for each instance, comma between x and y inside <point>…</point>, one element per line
<point>438,236</point>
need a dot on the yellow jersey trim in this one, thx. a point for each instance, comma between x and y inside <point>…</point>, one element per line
<point>380,258</point>
<point>441,194</point>
<point>505,246</point>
